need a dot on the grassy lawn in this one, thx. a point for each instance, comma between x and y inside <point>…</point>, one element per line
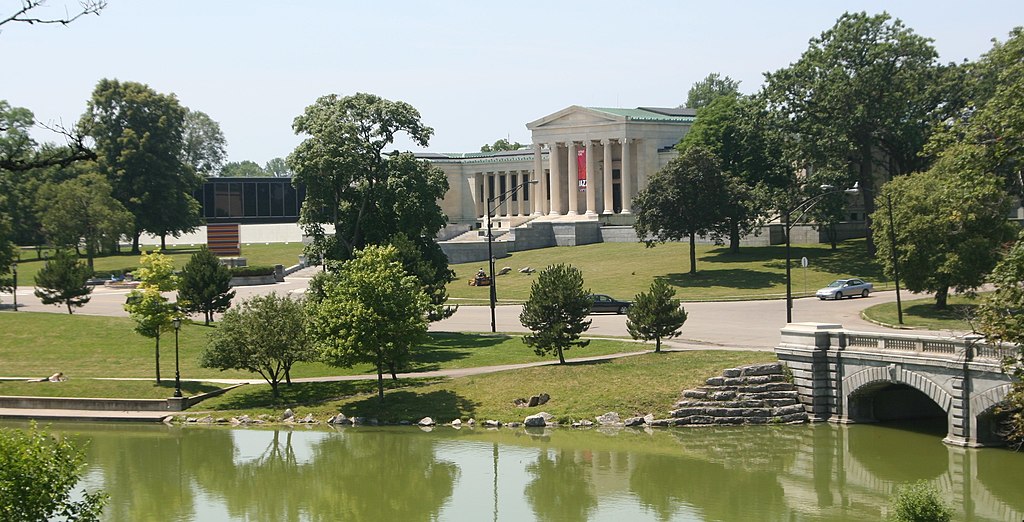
<point>921,313</point>
<point>286,254</point>
<point>80,346</point>
<point>649,383</point>
<point>106,389</point>
<point>624,269</point>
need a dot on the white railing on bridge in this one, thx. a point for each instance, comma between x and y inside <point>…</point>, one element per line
<point>953,348</point>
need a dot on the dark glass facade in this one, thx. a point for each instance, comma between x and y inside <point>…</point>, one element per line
<point>250,200</point>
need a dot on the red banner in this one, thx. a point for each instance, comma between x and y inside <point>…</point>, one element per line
<point>581,165</point>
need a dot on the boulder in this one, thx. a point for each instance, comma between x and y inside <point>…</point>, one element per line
<point>426,421</point>
<point>582,424</point>
<point>535,421</point>
<point>609,419</point>
<point>633,421</point>
<point>492,424</point>
<point>457,423</point>
<point>521,402</point>
<point>288,413</point>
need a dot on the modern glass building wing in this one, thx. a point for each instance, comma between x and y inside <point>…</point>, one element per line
<point>250,200</point>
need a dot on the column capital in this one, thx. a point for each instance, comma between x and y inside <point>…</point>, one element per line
<point>606,141</point>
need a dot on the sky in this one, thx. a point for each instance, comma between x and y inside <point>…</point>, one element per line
<point>476,71</point>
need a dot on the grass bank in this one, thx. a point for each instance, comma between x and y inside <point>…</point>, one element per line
<point>641,384</point>
<point>286,254</point>
<point>625,269</point>
<point>38,344</point>
<point>921,313</point>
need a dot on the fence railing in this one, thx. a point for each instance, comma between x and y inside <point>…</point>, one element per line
<point>910,344</point>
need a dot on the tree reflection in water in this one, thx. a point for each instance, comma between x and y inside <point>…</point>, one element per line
<point>561,487</point>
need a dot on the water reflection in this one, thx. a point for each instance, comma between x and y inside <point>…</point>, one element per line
<point>821,472</point>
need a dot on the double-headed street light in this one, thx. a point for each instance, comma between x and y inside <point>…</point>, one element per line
<point>802,207</point>
<point>892,241</point>
<point>177,368</point>
<point>500,198</point>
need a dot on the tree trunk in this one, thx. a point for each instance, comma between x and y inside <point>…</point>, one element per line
<point>135,242</point>
<point>734,237</point>
<point>561,356</point>
<point>90,252</point>
<point>273,388</point>
<point>288,374</point>
<point>208,315</point>
<point>394,374</point>
<point>158,357</point>
<point>163,241</point>
<point>832,235</point>
<point>693,253</point>
<point>68,303</point>
<point>380,383</point>
<point>941,296</point>
<point>657,345</point>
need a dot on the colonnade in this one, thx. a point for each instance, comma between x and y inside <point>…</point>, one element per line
<point>611,177</point>
<point>494,184</point>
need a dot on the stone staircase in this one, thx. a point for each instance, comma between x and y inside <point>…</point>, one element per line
<point>756,394</point>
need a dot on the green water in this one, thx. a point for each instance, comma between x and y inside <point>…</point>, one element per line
<point>788,473</point>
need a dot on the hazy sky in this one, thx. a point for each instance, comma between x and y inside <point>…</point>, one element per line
<point>476,73</point>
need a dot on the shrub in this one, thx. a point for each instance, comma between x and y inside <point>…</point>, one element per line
<point>919,502</point>
<point>251,271</point>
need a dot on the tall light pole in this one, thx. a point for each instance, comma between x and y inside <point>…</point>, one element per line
<point>14,291</point>
<point>500,198</point>
<point>892,242</point>
<point>802,207</point>
<point>177,368</point>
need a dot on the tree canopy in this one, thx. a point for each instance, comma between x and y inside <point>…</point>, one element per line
<point>369,311</point>
<point>139,143</point>
<point>243,169</point>
<point>265,335</point>
<point>556,311</point>
<point>205,285</point>
<point>501,145</point>
<point>860,93</point>
<point>150,310</point>
<point>203,144</point>
<point>62,280</point>
<point>706,91</point>
<point>685,199</point>
<point>83,211</point>
<point>655,314</point>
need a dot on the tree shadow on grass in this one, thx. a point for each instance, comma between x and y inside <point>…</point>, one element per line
<point>445,347</point>
<point>953,312</point>
<point>305,393</point>
<point>728,277</point>
<point>406,404</point>
<point>850,258</point>
<point>188,388</point>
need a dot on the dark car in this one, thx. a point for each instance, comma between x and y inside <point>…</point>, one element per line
<point>604,303</point>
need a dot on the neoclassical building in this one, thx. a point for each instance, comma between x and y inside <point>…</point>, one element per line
<point>588,162</point>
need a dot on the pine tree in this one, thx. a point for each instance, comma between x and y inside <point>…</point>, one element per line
<point>205,285</point>
<point>556,311</point>
<point>655,314</point>
<point>62,280</point>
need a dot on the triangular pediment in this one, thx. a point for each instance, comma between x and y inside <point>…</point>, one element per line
<point>574,116</point>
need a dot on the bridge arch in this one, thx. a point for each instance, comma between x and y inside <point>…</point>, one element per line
<point>858,386</point>
<point>985,423</point>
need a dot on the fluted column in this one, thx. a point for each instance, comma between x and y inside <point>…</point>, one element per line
<point>574,173</point>
<point>591,178</point>
<point>516,202</point>
<point>554,178</point>
<point>478,194</point>
<point>609,201</point>
<point>488,194</point>
<point>627,174</point>
<point>537,194</point>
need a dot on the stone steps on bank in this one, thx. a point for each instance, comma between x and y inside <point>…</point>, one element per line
<point>755,394</point>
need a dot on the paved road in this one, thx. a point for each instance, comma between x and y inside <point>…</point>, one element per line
<point>734,324</point>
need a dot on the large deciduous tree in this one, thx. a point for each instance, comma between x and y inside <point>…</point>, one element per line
<point>369,311</point>
<point>39,477</point>
<point>278,168</point>
<point>685,199</point>
<point>265,335</point>
<point>858,100</point>
<point>556,311</point>
<point>950,223</point>
<point>655,314</point>
<point>83,211</point>
<point>205,285</point>
<point>501,145</point>
<point>146,305</point>
<point>706,91</point>
<point>243,169</point>
<point>740,132</point>
<point>203,144</point>
<point>139,141</point>
<point>63,280</point>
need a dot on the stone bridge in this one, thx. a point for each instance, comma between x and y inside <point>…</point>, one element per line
<point>846,376</point>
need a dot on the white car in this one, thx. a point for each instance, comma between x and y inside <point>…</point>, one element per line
<point>841,288</point>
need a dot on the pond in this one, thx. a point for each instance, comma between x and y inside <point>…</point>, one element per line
<point>811,472</point>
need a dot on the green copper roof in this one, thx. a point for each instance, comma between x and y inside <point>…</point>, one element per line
<point>641,114</point>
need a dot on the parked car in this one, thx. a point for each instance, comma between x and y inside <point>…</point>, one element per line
<point>604,303</point>
<point>841,288</point>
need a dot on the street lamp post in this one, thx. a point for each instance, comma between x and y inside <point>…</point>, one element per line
<point>14,291</point>
<point>806,205</point>
<point>500,198</point>
<point>892,241</point>
<point>177,368</point>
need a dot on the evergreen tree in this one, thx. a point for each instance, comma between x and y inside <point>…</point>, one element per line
<point>556,311</point>
<point>62,280</point>
<point>656,314</point>
<point>205,285</point>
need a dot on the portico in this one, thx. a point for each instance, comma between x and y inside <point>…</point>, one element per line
<point>590,162</point>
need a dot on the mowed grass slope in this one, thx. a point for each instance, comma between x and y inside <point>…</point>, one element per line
<point>36,344</point>
<point>286,254</point>
<point>624,269</point>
